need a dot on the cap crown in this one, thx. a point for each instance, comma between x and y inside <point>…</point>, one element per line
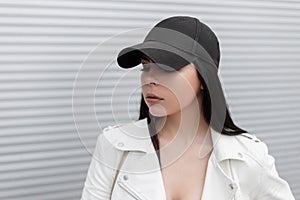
<point>191,27</point>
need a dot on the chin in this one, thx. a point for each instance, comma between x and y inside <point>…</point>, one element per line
<point>157,110</point>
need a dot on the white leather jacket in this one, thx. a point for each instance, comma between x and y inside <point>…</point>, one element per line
<point>239,168</point>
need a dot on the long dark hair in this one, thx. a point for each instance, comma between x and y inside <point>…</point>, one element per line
<point>229,127</point>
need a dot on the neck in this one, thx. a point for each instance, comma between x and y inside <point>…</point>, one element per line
<point>186,126</point>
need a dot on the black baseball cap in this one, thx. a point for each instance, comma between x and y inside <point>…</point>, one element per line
<point>173,43</point>
<point>177,41</point>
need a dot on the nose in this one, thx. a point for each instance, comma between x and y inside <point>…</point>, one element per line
<point>150,77</point>
<point>150,80</point>
<point>153,83</point>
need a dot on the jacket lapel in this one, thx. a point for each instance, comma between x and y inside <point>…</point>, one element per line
<point>217,184</point>
<point>142,167</point>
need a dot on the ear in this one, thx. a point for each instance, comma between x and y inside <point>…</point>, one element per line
<point>200,92</point>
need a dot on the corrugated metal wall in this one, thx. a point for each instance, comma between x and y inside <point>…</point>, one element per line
<point>59,83</point>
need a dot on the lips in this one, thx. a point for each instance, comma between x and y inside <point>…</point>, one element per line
<point>153,96</point>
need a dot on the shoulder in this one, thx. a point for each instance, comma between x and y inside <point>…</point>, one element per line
<point>109,136</point>
<point>110,127</point>
<point>270,184</point>
<point>254,147</point>
<point>130,136</point>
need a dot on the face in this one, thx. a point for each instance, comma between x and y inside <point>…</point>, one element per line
<point>176,89</point>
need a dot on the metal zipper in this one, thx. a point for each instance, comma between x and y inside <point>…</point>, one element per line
<point>131,191</point>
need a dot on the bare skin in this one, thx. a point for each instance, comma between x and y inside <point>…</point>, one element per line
<point>184,136</point>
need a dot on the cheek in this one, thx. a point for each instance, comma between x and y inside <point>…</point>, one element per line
<point>142,79</point>
<point>178,95</point>
<point>179,90</point>
<point>185,88</point>
<point>169,106</point>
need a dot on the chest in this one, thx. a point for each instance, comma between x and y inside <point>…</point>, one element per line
<point>174,182</point>
<point>184,178</point>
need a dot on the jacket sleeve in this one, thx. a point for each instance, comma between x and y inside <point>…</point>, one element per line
<point>100,173</point>
<point>271,185</point>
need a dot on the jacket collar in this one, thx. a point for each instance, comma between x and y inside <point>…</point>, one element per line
<point>134,136</point>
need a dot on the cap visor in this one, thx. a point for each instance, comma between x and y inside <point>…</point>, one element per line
<point>165,56</point>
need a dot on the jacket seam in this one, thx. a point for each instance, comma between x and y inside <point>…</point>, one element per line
<point>262,176</point>
<point>258,187</point>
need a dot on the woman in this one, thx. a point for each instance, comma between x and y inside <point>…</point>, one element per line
<point>185,144</point>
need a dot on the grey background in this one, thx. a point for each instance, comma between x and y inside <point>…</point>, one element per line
<point>51,51</point>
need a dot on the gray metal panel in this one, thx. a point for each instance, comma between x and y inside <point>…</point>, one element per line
<point>46,141</point>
